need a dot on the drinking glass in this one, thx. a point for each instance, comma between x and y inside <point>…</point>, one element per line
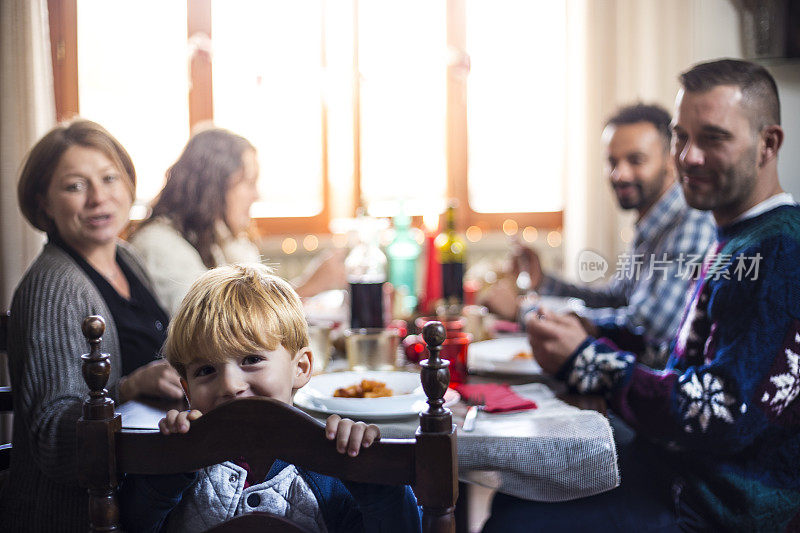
<point>319,337</point>
<point>371,348</point>
<point>454,349</point>
<point>414,346</point>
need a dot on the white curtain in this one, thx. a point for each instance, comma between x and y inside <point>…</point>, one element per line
<point>621,52</point>
<point>27,111</point>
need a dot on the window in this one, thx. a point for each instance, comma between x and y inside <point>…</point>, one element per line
<point>402,76</point>
<point>267,81</point>
<point>516,105</point>
<point>136,87</point>
<point>347,101</point>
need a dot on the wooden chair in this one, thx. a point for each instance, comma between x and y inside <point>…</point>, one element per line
<point>105,451</point>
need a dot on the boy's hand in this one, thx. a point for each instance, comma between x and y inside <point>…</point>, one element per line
<point>178,421</point>
<point>350,436</point>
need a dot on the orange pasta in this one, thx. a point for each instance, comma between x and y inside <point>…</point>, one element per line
<point>365,389</point>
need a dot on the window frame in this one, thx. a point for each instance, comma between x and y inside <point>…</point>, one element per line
<point>457,138</point>
<point>63,39</point>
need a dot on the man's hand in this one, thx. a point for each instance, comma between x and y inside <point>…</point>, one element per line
<point>524,259</point>
<point>553,337</point>
<point>178,421</point>
<point>350,436</point>
<point>501,299</point>
<point>590,327</point>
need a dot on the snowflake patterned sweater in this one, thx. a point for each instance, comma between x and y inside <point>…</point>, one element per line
<point>725,409</point>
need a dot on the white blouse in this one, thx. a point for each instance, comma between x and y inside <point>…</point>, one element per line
<point>174,264</point>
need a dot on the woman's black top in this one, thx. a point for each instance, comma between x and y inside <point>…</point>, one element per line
<point>141,323</point>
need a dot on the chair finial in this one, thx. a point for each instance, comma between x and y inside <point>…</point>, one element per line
<point>97,463</point>
<point>434,334</point>
<point>435,376</point>
<point>96,370</point>
<point>93,328</point>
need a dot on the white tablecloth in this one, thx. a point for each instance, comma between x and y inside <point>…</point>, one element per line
<point>554,453</point>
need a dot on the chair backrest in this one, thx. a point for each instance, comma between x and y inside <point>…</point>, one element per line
<point>246,428</point>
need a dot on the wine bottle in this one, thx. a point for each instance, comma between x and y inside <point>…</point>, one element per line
<point>452,249</point>
<point>365,268</point>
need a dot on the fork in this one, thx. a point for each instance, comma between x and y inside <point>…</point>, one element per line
<point>472,413</point>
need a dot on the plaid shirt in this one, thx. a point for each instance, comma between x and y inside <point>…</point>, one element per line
<point>649,289</point>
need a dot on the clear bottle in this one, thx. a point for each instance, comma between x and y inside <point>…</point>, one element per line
<point>403,253</point>
<point>452,251</point>
<point>365,268</point>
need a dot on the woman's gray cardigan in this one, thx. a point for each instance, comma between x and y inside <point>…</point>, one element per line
<point>44,347</point>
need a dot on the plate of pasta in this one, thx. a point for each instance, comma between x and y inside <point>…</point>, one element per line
<point>365,395</point>
<point>504,355</point>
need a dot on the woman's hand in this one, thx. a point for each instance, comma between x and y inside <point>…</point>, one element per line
<point>157,379</point>
<point>178,421</point>
<point>324,273</point>
<point>350,436</point>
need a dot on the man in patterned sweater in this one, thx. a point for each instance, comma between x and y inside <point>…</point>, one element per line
<point>718,431</point>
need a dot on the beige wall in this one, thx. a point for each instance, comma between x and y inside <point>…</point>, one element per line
<point>634,51</point>
<point>787,75</point>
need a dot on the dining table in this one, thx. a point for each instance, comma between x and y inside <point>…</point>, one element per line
<point>571,453</point>
<point>561,450</point>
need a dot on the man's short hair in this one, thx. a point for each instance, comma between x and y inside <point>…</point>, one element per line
<point>756,83</point>
<point>651,113</point>
<point>235,310</point>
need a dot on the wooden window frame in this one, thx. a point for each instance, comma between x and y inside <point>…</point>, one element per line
<point>457,138</point>
<point>63,16</point>
<point>457,186</point>
<point>63,39</point>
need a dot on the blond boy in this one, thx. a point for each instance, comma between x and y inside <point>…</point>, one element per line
<point>241,332</point>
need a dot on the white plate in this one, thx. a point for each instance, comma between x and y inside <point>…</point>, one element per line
<point>497,355</point>
<point>408,399</point>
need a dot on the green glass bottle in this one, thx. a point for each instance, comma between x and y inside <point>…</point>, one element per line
<point>403,253</point>
<point>452,250</point>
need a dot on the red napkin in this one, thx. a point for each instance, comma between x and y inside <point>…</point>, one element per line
<point>496,398</point>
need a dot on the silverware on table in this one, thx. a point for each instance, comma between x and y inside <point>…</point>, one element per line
<point>472,415</point>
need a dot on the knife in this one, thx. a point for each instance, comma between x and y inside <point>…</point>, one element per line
<point>469,420</point>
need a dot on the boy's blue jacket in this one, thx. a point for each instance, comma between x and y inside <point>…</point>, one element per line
<point>147,501</point>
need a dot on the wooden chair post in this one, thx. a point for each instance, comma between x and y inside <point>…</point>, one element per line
<point>96,432</point>
<point>436,437</point>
